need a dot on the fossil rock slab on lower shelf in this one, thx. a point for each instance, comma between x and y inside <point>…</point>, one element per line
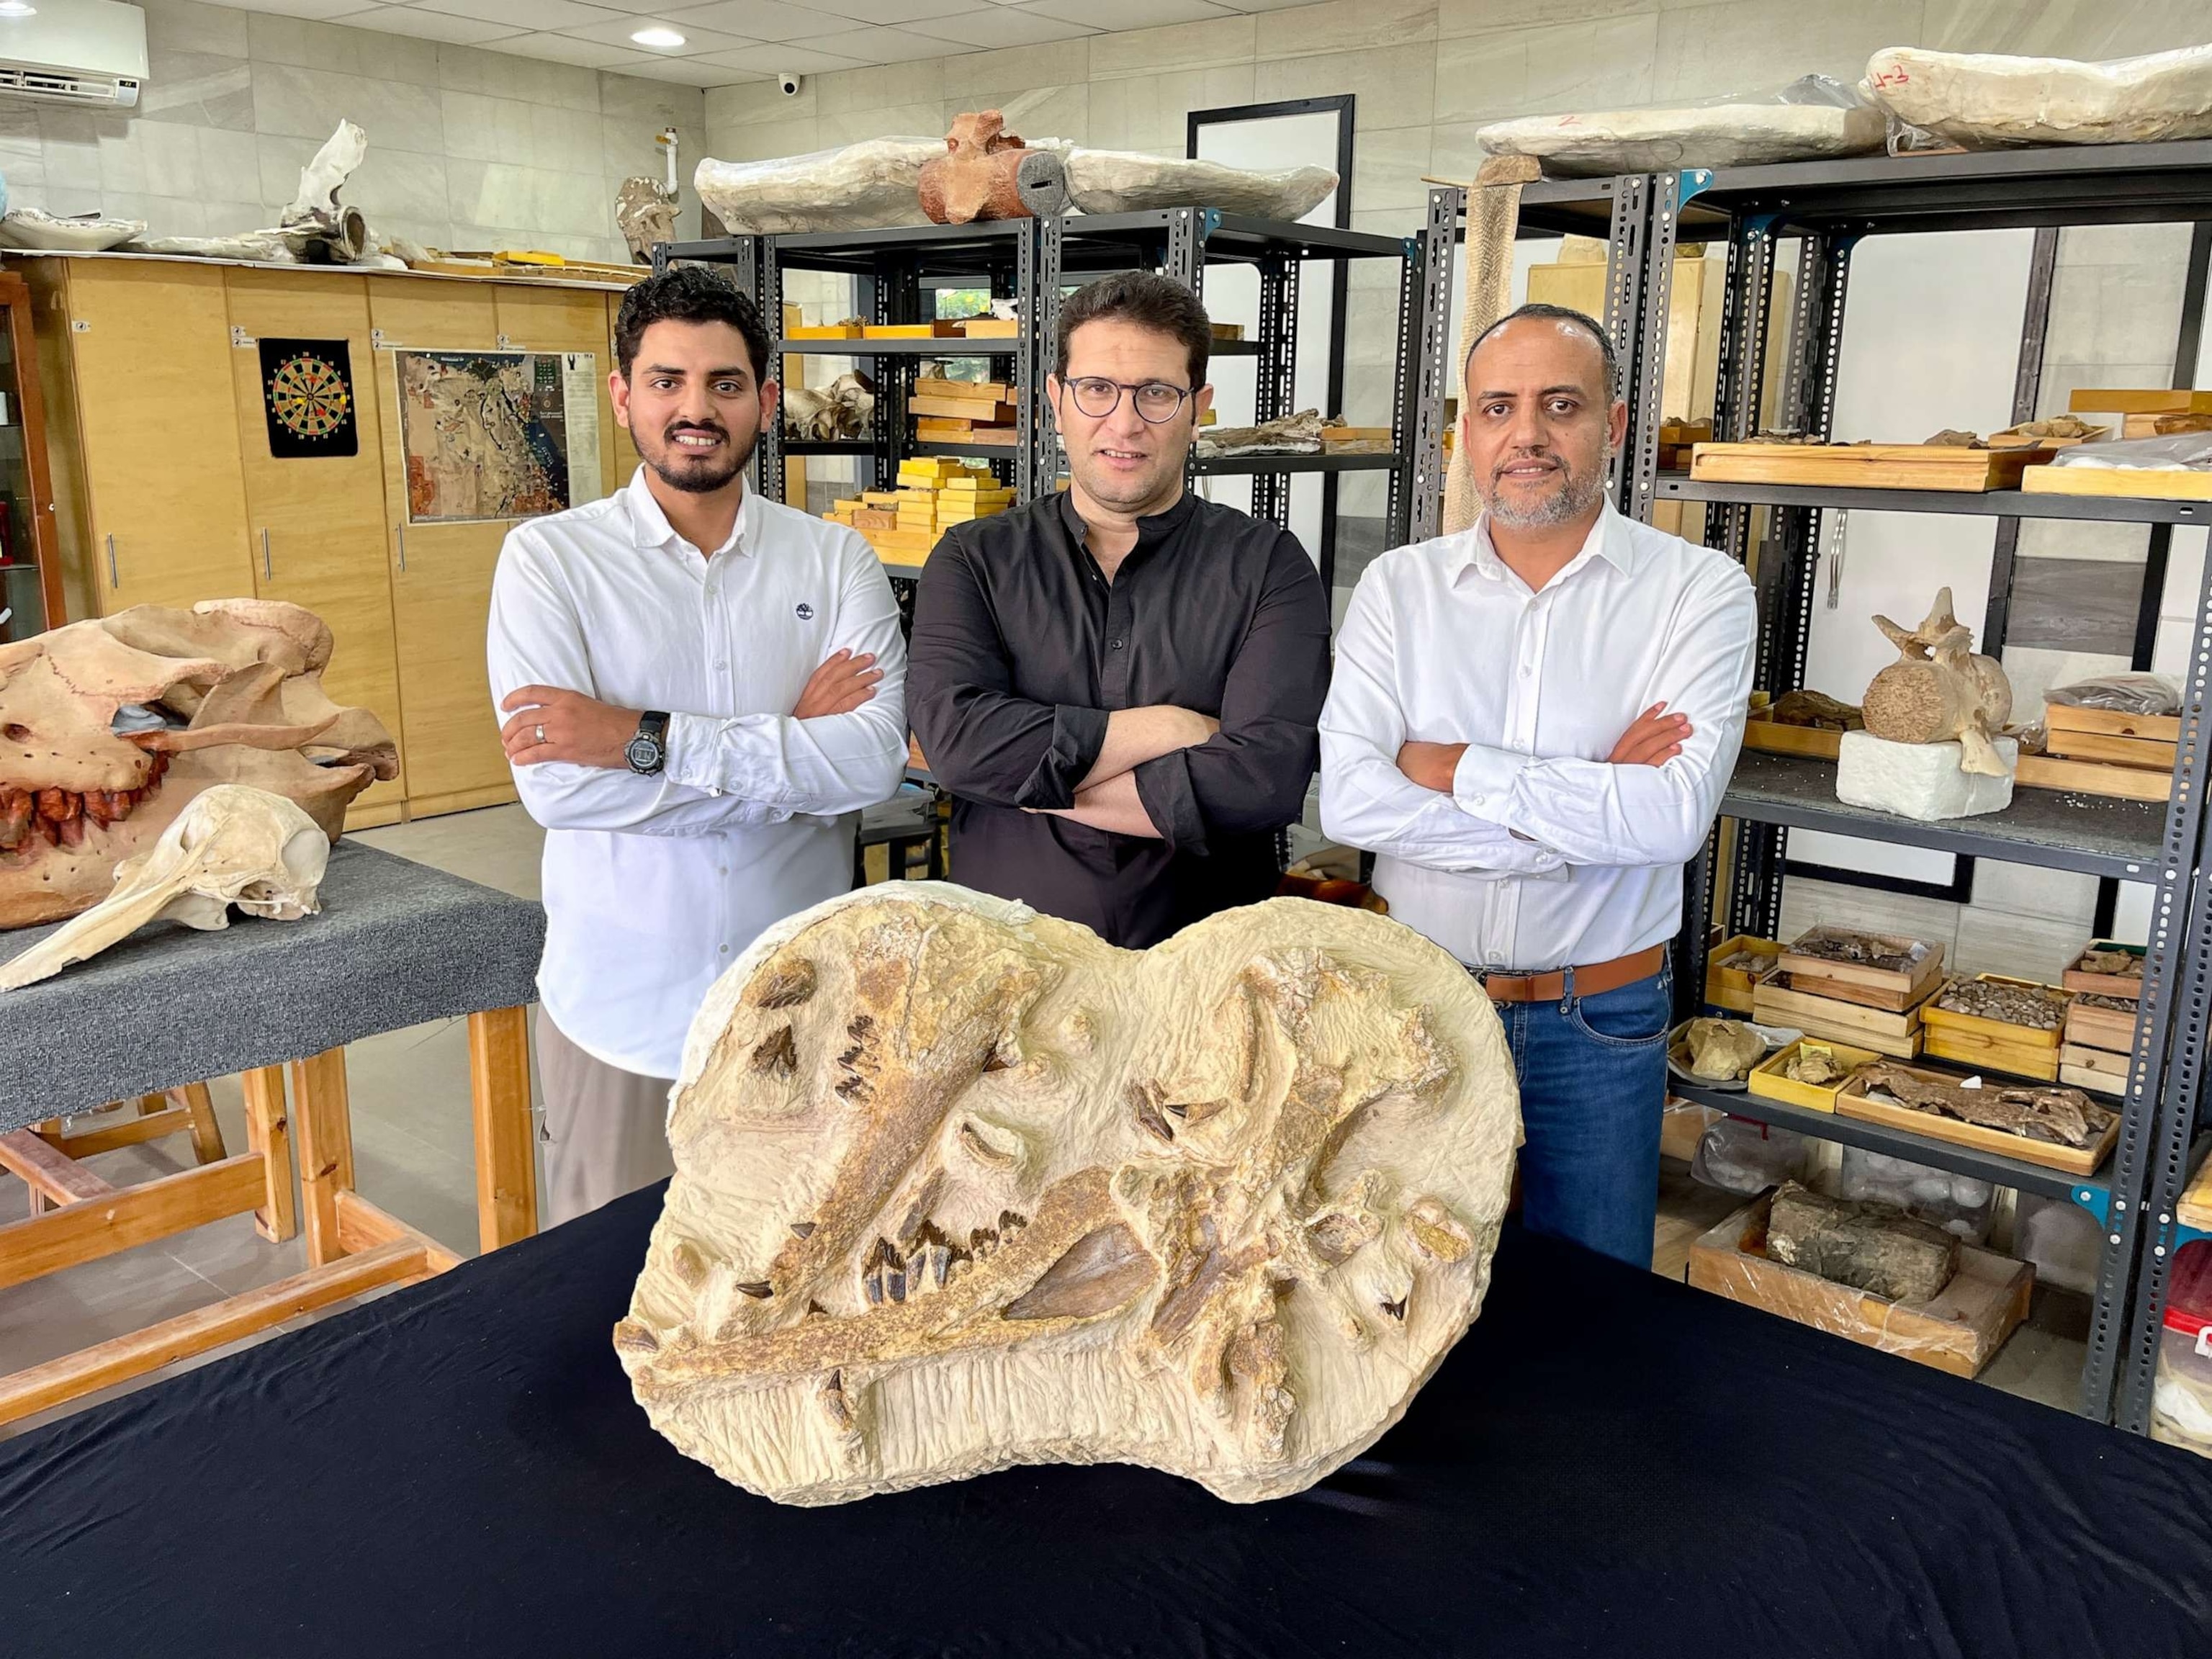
<point>1869,1246</point>
<point>960,1187</point>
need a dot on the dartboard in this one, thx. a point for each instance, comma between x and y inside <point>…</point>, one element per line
<point>309,395</point>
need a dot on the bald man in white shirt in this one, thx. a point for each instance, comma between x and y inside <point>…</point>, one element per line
<point>1531,725</point>
<point>701,690</point>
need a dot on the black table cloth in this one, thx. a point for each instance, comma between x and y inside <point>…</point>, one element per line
<point>1609,1463</point>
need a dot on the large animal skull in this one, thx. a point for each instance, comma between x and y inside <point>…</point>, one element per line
<point>108,728</point>
<point>232,845</point>
<point>958,1186</point>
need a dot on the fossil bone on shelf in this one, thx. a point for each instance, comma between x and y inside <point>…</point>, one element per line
<point>959,1186</point>
<point>108,728</point>
<point>1939,690</point>
<point>231,845</point>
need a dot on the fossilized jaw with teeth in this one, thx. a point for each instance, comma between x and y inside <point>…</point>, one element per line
<point>109,728</point>
<point>959,1187</point>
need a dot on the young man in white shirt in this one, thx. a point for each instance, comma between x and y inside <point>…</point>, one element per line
<point>701,690</point>
<point>1531,725</point>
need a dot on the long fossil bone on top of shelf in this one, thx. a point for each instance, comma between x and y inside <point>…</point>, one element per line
<point>1292,434</point>
<point>1983,100</point>
<point>959,1186</point>
<point>232,845</point>
<point>1811,117</point>
<point>1940,690</point>
<point>109,726</point>
<point>877,184</point>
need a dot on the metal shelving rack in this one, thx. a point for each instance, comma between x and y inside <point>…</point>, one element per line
<point>1033,260</point>
<point>1828,207</point>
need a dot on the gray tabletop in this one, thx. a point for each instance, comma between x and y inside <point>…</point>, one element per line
<point>397,944</point>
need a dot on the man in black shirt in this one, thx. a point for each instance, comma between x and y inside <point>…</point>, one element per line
<point>1120,684</point>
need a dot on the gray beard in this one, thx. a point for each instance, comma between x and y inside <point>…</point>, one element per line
<point>1576,497</point>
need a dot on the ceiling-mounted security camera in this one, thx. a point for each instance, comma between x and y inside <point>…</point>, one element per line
<point>788,81</point>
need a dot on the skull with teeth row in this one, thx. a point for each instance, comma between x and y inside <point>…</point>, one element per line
<point>108,728</point>
<point>959,1186</point>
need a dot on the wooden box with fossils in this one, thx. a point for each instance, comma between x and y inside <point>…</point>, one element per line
<point>1861,988</point>
<point>1966,462</point>
<point>1809,1073</point>
<point>2054,1125</point>
<point>1993,1020</point>
<point>1734,966</point>
<point>1718,1053</point>
<point>1957,1330</point>
<point>2106,967</point>
<point>2099,1040</point>
<point>2145,742</point>
<point>1896,1033</point>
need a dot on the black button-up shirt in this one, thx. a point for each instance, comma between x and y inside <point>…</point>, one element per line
<point>1022,648</point>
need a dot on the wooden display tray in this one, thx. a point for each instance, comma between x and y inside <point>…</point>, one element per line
<point>2143,754</point>
<point>1957,1330</point>
<point>2105,400</point>
<point>1852,1101</point>
<point>1864,466</point>
<point>2110,985</point>
<point>1994,1032</point>
<point>1731,987</point>
<point>1980,1053</point>
<point>1767,1081</point>
<point>2112,1030</point>
<point>1896,1035</point>
<point>2195,1209</point>
<point>2096,1083</point>
<point>2081,777</point>
<point>990,328</point>
<point>2094,1068</point>
<point>1905,985</point>
<point>2012,438</point>
<point>1773,737</point>
<point>939,330</point>
<point>2111,722</point>
<point>824,332</point>
<point>2175,486</point>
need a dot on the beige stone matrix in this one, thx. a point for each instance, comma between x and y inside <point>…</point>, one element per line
<point>960,1187</point>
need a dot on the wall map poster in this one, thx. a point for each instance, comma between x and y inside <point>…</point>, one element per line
<point>306,391</point>
<point>497,435</point>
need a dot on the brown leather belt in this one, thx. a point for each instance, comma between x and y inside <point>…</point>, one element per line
<point>1598,977</point>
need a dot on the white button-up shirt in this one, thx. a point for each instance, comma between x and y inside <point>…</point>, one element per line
<point>653,885</point>
<point>1543,854</point>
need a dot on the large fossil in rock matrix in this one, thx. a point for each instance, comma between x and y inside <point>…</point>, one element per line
<point>959,1187</point>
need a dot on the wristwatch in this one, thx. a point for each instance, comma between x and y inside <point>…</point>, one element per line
<point>648,752</point>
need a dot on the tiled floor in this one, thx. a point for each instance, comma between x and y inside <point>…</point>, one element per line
<point>414,1156</point>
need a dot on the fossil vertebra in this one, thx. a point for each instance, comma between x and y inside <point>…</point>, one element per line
<point>1219,1208</point>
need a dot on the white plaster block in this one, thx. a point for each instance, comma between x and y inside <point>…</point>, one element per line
<point>1918,781</point>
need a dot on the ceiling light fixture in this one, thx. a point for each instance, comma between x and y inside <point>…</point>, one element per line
<point>653,36</point>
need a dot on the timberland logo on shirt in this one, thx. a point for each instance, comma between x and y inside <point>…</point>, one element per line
<point>806,611</point>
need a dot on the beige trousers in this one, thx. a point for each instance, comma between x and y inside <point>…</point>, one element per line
<point>605,1129</point>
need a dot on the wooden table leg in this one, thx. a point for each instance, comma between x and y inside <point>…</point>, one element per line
<point>499,1086</point>
<point>322,1118</point>
<point>193,1100</point>
<point>269,1134</point>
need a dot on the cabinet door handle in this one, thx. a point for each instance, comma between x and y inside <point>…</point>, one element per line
<point>266,574</point>
<point>113,580</point>
<point>403,549</point>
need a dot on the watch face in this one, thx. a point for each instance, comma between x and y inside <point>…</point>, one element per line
<point>643,754</point>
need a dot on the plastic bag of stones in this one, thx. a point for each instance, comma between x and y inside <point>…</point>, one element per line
<point>1746,1158</point>
<point>1958,1204</point>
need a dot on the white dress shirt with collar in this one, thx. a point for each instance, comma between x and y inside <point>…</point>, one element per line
<point>653,885</point>
<point>1543,855</point>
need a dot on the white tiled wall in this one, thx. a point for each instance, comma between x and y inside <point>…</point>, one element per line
<point>467,148</point>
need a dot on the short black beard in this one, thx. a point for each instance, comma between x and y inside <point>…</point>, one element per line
<point>702,484</point>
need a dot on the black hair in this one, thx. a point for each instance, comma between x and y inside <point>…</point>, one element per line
<point>689,293</point>
<point>1573,319</point>
<point>1158,303</point>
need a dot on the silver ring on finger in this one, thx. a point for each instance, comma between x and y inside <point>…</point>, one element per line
<point>541,734</point>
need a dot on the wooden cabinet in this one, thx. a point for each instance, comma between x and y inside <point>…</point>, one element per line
<point>440,573</point>
<point>166,492</point>
<point>315,523</point>
<point>149,341</point>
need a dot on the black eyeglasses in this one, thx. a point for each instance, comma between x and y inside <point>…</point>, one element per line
<point>1157,401</point>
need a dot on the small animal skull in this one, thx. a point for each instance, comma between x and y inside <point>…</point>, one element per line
<point>959,1186</point>
<point>232,845</point>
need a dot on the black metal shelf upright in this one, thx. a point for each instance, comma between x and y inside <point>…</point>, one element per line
<point>1033,260</point>
<point>1828,207</point>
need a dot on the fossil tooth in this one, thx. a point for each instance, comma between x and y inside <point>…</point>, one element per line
<point>814,1308</point>
<point>883,1275</point>
<point>929,1258</point>
<point>72,831</point>
<point>777,1053</point>
<point>982,1241</point>
<point>802,1230</point>
<point>15,809</point>
<point>688,1266</point>
<point>759,1289</point>
<point>1011,1221</point>
<point>831,1395</point>
<point>782,984</point>
<point>1437,1230</point>
<point>1149,1115</point>
<point>992,1144</point>
<point>1337,1235</point>
<point>995,1062</point>
<point>56,805</point>
<point>1396,1309</point>
<point>1100,1272</point>
<point>631,1337</point>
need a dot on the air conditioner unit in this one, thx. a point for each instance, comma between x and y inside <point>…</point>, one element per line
<point>89,53</point>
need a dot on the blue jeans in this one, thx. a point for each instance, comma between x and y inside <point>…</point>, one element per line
<point>1593,1074</point>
